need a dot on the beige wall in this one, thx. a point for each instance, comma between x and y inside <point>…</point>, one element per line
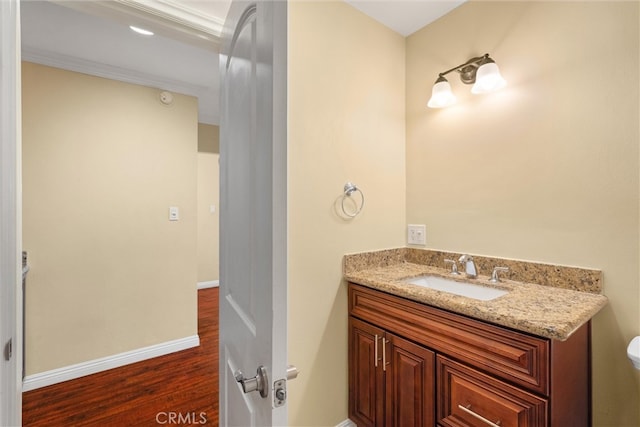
<point>546,169</point>
<point>208,205</point>
<point>102,163</point>
<point>346,123</point>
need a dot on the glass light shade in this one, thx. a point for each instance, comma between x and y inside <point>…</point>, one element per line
<point>488,79</point>
<point>441,95</point>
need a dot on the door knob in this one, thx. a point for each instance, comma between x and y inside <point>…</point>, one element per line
<point>258,383</point>
<point>292,372</point>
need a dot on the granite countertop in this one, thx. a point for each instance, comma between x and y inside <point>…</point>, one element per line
<point>568,298</point>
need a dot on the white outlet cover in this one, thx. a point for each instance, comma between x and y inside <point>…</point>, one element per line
<point>417,234</point>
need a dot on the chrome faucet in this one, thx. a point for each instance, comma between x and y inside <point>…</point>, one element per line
<point>469,266</point>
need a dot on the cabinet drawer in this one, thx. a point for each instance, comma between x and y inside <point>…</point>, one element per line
<point>467,397</point>
<point>516,357</point>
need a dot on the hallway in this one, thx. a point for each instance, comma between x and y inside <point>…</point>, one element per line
<point>176,389</point>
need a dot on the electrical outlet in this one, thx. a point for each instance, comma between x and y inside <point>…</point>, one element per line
<point>417,234</point>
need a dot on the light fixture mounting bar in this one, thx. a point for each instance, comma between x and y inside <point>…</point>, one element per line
<point>468,69</point>
<point>480,71</point>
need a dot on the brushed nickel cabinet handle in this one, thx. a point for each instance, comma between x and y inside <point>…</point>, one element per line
<point>468,410</point>
<point>375,346</point>
<point>384,354</point>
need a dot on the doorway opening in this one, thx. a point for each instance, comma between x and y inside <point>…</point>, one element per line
<point>107,162</point>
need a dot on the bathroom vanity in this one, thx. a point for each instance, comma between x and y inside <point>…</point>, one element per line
<point>423,357</point>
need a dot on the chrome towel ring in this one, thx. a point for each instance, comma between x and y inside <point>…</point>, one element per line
<point>349,189</point>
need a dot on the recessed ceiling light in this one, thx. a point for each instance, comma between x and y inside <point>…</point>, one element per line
<point>141,31</point>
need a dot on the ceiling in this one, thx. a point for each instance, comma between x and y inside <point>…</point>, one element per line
<point>101,43</point>
<point>93,37</point>
<point>405,16</point>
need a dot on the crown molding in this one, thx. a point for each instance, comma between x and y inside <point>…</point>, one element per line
<point>72,63</point>
<point>206,113</point>
<point>179,13</point>
<point>166,17</point>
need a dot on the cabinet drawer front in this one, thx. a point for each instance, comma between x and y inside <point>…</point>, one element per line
<point>510,355</point>
<point>470,398</point>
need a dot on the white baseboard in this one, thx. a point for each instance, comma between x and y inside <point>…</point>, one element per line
<point>347,423</point>
<point>43,379</point>
<point>209,284</point>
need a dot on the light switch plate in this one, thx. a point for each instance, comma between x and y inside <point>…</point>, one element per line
<point>174,213</point>
<point>417,234</point>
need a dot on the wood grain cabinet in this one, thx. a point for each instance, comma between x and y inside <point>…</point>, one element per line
<point>468,397</point>
<point>411,364</point>
<point>391,379</point>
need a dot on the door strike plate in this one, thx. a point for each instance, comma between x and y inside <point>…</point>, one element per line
<point>279,393</point>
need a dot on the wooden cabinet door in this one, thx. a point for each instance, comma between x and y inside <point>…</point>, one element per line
<point>410,383</point>
<point>366,376</point>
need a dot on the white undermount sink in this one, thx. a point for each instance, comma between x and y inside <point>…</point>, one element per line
<point>469,290</point>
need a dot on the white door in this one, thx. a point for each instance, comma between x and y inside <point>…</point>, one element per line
<point>253,224</point>
<point>10,277</point>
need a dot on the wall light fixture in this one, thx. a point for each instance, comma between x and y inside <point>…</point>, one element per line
<point>481,71</point>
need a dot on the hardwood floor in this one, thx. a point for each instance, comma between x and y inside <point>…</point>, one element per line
<point>176,389</point>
